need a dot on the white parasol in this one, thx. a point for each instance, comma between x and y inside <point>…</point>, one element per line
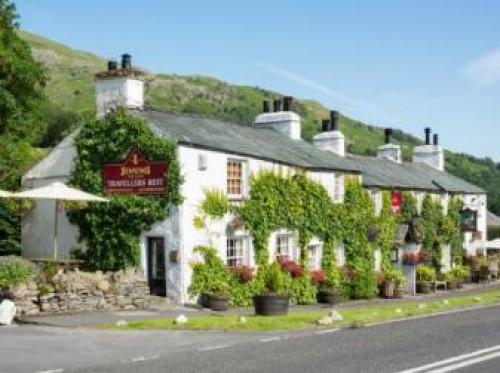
<point>58,191</point>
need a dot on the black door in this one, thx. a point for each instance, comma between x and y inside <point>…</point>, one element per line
<point>156,266</point>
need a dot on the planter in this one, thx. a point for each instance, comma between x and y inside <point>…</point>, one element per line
<point>452,285</point>
<point>218,302</point>
<point>328,297</point>
<point>460,284</point>
<point>203,300</point>
<point>389,287</point>
<point>271,304</point>
<point>399,292</point>
<point>423,287</point>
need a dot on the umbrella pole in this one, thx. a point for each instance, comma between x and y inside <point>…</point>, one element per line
<point>56,223</point>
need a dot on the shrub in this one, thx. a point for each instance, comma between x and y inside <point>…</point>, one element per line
<point>15,270</point>
<point>301,289</point>
<point>274,279</point>
<point>209,276</point>
<point>243,273</point>
<point>425,273</point>
<point>396,276</point>
<point>318,276</point>
<point>459,272</point>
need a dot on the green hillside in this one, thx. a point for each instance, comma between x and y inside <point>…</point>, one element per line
<point>71,88</point>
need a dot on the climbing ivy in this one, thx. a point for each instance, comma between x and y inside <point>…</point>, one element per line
<point>408,207</point>
<point>452,232</point>
<point>386,222</point>
<point>111,230</point>
<point>431,225</point>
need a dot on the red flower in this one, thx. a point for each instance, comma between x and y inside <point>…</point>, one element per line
<point>296,270</point>
<point>414,257</point>
<point>244,273</point>
<point>318,276</point>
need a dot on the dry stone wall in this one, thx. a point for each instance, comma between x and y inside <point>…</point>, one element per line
<point>76,291</point>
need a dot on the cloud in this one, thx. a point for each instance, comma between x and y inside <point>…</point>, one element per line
<point>322,89</point>
<point>484,71</point>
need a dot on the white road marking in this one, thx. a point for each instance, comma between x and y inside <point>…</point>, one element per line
<point>210,348</point>
<point>270,339</point>
<point>52,371</point>
<point>451,360</point>
<point>140,358</point>
<point>326,331</point>
<point>466,363</point>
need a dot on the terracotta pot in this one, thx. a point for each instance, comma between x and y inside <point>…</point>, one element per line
<point>271,304</point>
<point>218,302</point>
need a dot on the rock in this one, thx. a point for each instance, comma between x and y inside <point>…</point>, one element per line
<point>121,323</point>
<point>129,307</point>
<point>325,320</point>
<point>335,315</point>
<point>19,291</point>
<point>7,312</point>
<point>181,319</point>
<point>103,285</point>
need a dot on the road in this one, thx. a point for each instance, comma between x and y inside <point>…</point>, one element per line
<point>467,341</point>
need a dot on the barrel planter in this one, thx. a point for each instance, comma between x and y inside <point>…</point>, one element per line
<point>203,300</point>
<point>389,289</point>
<point>399,292</point>
<point>218,302</point>
<point>271,305</point>
<point>328,297</point>
<point>423,287</point>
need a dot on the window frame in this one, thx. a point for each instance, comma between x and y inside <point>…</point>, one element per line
<point>245,250</point>
<point>242,179</point>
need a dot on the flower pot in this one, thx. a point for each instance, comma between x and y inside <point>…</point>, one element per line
<point>399,292</point>
<point>460,284</point>
<point>423,287</point>
<point>218,302</point>
<point>452,285</point>
<point>389,289</point>
<point>203,300</point>
<point>328,297</point>
<point>271,304</point>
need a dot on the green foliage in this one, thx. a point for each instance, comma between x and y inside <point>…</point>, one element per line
<point>211,272</point>
<point>431,225</point>
<point>301,290</point>
<point>425,273</point>
<point>459,272</point>
<point>274,279</point>
<point>358,216</point>
<point>215,204</point>
<point>395,275</point>
<point>408,207</point>
<point>112,229</point>
<point>452,231</point>
<point>386,222</point>
<point>295,203</point>
<point>15,270</point>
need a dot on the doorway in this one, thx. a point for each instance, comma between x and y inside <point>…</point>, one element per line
<point>156,266</point>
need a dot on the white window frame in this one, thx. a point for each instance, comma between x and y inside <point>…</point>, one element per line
<point>243,179</point>
<point>243,257</point>
<point>314,261</point>
<point>289,248</point>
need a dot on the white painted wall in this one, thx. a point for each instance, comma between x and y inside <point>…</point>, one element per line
<point>118,91</point>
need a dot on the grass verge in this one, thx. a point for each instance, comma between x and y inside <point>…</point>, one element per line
<point>352,316</point>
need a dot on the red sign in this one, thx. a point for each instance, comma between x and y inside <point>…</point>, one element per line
<point>396,199</point>
<point>136,175</point>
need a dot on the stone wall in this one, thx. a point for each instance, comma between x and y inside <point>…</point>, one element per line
<point>76,291</point>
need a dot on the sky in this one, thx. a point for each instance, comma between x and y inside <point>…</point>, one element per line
<point>404,64</point>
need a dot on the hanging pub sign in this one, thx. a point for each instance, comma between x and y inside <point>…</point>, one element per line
<point>468,220</point>
<point>136,175</point>
<point>396,199</point>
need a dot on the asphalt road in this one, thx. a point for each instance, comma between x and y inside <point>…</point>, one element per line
<point>467,342</point>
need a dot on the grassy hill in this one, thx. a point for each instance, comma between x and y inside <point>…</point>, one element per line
<point>71,88</point>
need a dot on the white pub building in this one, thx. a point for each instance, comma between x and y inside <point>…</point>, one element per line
<point>218,155</point>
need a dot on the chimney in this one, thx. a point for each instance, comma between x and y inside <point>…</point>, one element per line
<point>284,121</point>
<point>430,154</point>
<point>266,108</point>
<point>277,105</point>
<point>330,138</point>
<point>389,150</point>
<point>116,87</point>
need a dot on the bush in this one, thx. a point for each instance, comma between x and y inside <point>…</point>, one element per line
<point>274,279</point>
<point>396,276</point>
<point>459,272</point>
<point>425,273</point>
<point>208,276</point>
<point>15,270</point>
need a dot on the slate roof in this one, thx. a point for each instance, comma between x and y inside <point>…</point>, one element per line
<point>492,220</point>
<point>383,173</point>
<point>265,144</point>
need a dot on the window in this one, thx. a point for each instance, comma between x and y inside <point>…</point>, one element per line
<point>338,188</point>
<point>234,177</point>
<point>284,246</point>
<point>314,257</point>
<point>237,250</point>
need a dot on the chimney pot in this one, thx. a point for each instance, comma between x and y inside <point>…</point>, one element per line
<point>436,139</point>
<point>388,135</point>
<point>126,61</point>
<point>277,105</point>
<point>427,135</point>
<point>266,107</point>
<point>334,120</point>
<point>112,65</point>
<point>287,103</point>
<point>325,125</point>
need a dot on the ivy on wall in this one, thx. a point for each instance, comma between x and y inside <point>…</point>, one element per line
<point>111,230</point>
<point>386,222</point>
<point>452,232</point>
<point>432,233</point>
